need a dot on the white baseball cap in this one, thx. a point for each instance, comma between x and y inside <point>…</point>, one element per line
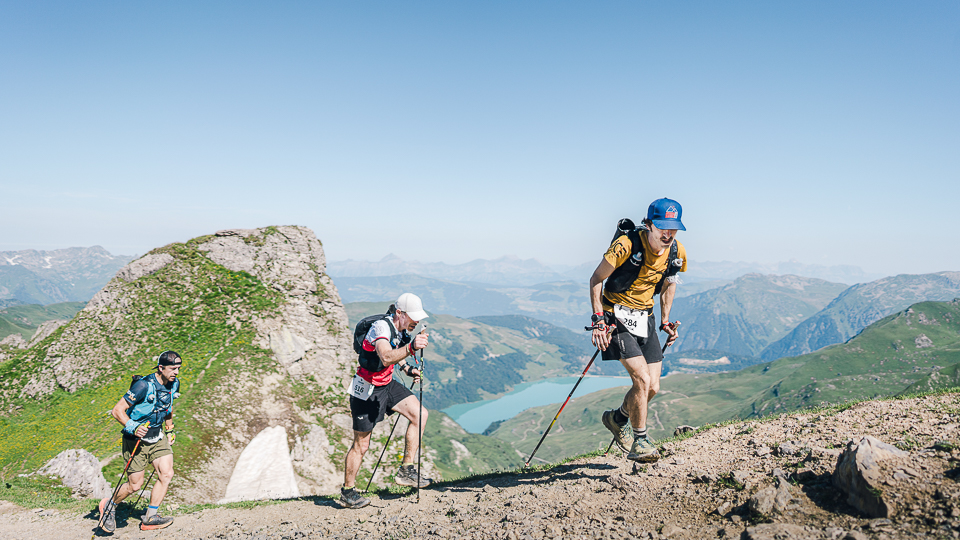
<point>411,305</point>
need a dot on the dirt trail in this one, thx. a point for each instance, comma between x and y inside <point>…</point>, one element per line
<point>604,497</point>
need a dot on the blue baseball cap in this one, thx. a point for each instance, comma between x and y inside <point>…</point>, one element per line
<point>665,214</point>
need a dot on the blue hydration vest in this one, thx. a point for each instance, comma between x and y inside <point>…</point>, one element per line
<point>152,402</point>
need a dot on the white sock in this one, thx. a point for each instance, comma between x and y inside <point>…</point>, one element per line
<point>152,510</point>
<point>637,433</point>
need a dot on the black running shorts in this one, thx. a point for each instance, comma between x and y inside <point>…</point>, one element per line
<point>623,344</point>
<point>367,413</point>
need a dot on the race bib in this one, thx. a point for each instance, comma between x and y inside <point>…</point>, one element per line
<point>634,320</point>
<point>360,388</point>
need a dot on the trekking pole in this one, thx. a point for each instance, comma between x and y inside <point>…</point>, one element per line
<point>420,421</point>
<point>663,350</point>
<point>117,489</point>
<point>384,451</point>
<point>590,363</point>
<point>145,487</point>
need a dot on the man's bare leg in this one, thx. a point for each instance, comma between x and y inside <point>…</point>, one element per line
<point>410,409</point>
<point>134,482</point>
<point>408,475</point>
<point>361,441</point>
<point>635,401</point>
<point>646,384</point>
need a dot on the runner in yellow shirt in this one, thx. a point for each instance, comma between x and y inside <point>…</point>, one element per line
<point>638,265</point>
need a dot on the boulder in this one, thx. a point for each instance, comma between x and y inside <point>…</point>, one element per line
<point>770,500</point>
<point>858,475</point>
<point>683,429</point>
<point>80,471</point>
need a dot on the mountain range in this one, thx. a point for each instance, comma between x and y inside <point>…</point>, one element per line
<point>916,349</point>
<point>511,271</point>
<point>748,314</point>
<point>859,306</point>
<point>61,275</point>
<point>562,303</point>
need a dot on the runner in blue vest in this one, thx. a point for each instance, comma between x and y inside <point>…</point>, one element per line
<point>142,411</point>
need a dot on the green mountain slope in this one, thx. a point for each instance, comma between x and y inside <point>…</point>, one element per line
<point>887,358</point>
<point>469,360</point>
<point>948,377</point>
<point>24,319</point>
<point>458,453</point>
<point>861,305</point>
<point>745,316</point>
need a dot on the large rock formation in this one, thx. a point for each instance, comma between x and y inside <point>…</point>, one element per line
<point>265,343</point>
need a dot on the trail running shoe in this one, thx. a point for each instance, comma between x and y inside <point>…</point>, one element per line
<point>108,515</point>
<point>351,498</point>
<point>643,451</point>
<point>407,476</point>
<point>619,431</point>
<point>154,522</point>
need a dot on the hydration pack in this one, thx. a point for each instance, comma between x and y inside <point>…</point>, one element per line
<point>370,360</point>
<point>151,403</point>
<point>627,273</point>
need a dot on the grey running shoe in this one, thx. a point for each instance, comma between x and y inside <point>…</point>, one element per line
<point>351,498</point>
<point>643,451</point>
<point>407,476</point>
<point>620,431</point>
<point>155,521</point>
<point>108,515</point>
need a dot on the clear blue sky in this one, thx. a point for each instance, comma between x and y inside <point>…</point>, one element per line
<point>827,132</point>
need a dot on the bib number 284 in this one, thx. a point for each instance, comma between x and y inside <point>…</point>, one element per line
<point>634,320</point>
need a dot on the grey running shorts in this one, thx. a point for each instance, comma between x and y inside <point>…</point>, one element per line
<point>623,344</point>
<point>367,413</point>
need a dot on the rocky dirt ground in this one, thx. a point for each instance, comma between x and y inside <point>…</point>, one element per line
<point>752,480</point>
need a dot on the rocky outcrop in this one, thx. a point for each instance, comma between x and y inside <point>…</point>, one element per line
<point>859,475</point>
<point>287,259</point>
<point>44,330</point>
<point>14,341</point>
<point>264,339</point>
<point>80,471</point>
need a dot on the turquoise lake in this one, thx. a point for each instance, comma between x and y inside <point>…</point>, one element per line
<point>476,416</point>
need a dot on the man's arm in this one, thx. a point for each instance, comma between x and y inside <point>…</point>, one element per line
<point>119,412</point>
<point>390,356</point>
<point>600,338</point>
<point>603,271</point>
<point>666,302</point>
